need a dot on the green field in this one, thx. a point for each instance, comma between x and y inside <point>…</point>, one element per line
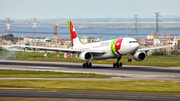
<point>49,74</point>
<point>165,61</point>
<point>163,87</point>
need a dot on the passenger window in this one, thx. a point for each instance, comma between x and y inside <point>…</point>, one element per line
<point>133,42</point>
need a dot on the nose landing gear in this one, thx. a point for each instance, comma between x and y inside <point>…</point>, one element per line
<point>129,59</point>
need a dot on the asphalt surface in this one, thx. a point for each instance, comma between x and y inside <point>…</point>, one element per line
<point>131,73</point>
<point>32,94</point>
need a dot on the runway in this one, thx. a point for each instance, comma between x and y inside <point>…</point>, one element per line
<point>131,72</point>
<point>32,94</point>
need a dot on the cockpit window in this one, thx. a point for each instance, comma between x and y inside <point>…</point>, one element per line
<point>133,42</point>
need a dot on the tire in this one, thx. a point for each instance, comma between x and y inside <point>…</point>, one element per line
<point>90,64</point>
<point>120,64</point>
<point>87,65</point>
<point>117,65</point>
<point>130,60</point>
<point>84,66</point>
<point>114,65</point>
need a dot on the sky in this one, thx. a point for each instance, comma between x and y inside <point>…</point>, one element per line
<point>44,9</point>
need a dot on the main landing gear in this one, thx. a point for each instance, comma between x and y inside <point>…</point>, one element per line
<point>117,64</point>
<point>87,65</point>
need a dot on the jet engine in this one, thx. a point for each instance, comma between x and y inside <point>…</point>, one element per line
<point>86,56</point>
<point>139,56</point>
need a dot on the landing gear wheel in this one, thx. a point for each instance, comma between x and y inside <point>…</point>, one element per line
<point>90,64</point>
<point>84,65</point>
<point>117,65</point>
<point>129,60</point>
<point>87,65</point>
<point>114,65</point>
<point>120,64</point>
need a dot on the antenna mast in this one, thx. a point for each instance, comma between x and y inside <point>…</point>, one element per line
<point>34,31</point>
<point>136,24</point>
<point>157,20</point>
<point>55,33</point>
<point>8,25</point>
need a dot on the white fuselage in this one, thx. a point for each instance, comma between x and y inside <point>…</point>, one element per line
<point>110,48</point>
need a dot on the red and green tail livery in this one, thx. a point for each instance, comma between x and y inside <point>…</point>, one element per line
<point>72,31</point>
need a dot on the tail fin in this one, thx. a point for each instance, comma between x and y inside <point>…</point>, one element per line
<point>74,38</point>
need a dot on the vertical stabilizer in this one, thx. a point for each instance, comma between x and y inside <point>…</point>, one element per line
<point>74,38</point>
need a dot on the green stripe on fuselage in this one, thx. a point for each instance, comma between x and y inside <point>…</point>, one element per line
<point>113,46</point>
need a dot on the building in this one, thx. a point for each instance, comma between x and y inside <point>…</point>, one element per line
<point>178,44</point>
<point>160,36</point>
<point>149,42</point>
<point>153,36</point>
<point>9,37</point>
<point>86,39</point>
<point>43,41</point>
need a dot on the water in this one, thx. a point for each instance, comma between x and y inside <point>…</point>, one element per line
<point>66,36</point>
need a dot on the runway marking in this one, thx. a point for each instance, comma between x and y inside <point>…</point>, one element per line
<point>177,95</point>
<point>49,91</point>
<point>168,97</point>
<point>130,96</point>
<point>112,95</point>
<point>74,94</point>
<point>92,95</point>
<point>149,97</point>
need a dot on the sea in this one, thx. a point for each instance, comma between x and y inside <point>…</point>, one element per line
<point>96,33</point>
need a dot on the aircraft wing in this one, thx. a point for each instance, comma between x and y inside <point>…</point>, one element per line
<point>152,48</point>
<point>67,50</point>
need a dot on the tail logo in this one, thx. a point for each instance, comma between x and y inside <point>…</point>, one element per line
<point>72,32</point>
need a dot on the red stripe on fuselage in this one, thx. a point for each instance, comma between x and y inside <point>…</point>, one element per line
<point>118,45</point>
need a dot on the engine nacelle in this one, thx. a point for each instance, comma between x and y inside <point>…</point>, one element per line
<point>86,56</point>
<point>139,56</point>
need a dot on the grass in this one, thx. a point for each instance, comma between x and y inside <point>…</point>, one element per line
<point>49,74</point>
<point>165,61</point>
<point>163,87</point>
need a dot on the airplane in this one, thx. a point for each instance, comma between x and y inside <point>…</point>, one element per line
<point>110,49</point>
